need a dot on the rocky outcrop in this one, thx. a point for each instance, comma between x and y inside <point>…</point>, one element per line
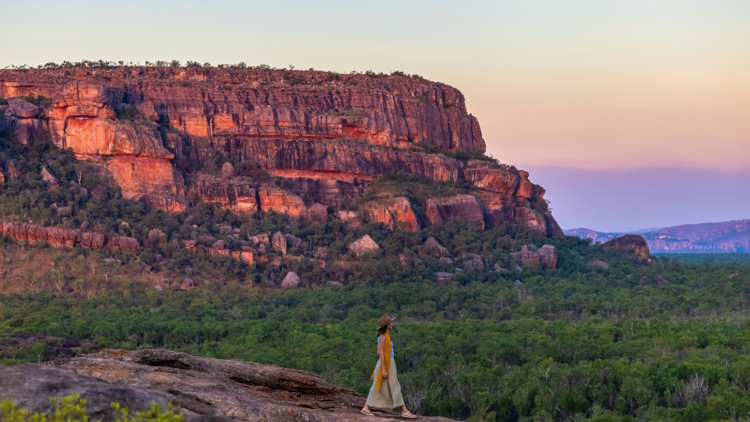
<point>205,389</point>
<point>546,255</point>
<point>529,218</point>
<point>31,387</point>
<point>465,207</point>
<point>396,212</point>
<point>632,243</point>
<point>281,201</point>
<point>279,242</point>
<point>58,237</point>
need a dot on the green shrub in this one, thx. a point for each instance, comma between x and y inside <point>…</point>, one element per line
<point>73,409</point>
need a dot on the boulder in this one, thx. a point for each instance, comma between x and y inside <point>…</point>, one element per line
<point>22,108</point>
<point>598,264</point>
<point>290,280</point>
<point>279,242</point>
<point>292,240</point>
<point>258,238</point>
<point>350,217</point>
<point>473,265</point>
<point>404,260</point>
<point>155,235</point>
<point>661,281</point>
<point>363,245</point>
<point>446,260</point>
<point>321,252</point>
<point>548,254</point>
<point>631,243</point>
<point>227,170</point>
<point>433,248</point>
<point>49,178</point>
<point>317,213</point>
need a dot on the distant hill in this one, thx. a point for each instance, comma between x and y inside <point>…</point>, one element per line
<point>725,237</point>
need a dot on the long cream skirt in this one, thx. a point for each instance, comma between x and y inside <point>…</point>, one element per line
<point>389,395</point>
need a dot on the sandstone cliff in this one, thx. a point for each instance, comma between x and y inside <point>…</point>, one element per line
<point>157,129</point>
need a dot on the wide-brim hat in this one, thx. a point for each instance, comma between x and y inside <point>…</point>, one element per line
<point>384,320</point>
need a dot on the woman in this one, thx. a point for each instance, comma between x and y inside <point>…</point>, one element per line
<point>385,391</point>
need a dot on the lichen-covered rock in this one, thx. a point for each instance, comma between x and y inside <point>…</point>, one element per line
<point>363,245</point>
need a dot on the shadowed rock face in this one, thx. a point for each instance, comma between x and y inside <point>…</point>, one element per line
<point>242,391</point>
<point>330,135</point>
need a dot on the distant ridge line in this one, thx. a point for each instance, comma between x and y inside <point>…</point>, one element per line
<point>720,237</point>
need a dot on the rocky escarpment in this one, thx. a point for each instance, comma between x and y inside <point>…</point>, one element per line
<point>329,136</point>
<point>58,237</point>
<point>205,389</point>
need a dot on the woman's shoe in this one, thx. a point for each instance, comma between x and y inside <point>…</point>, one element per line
<point>366,412</point>
<point>409,415</point>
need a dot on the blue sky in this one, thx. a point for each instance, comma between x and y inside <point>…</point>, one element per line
<point>591,85</point>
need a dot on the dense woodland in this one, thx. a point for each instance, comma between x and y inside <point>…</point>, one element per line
<point>667,341</point>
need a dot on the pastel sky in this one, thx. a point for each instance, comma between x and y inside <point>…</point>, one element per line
<point>605,86</point>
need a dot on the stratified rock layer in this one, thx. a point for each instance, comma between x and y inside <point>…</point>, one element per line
<point>331,136</point>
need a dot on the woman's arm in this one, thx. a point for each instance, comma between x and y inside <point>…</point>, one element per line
<point>382,360</point>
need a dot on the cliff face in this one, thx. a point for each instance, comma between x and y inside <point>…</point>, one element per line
<point>331,136</point>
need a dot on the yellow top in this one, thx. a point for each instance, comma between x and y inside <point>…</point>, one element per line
<point>387,364</point>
